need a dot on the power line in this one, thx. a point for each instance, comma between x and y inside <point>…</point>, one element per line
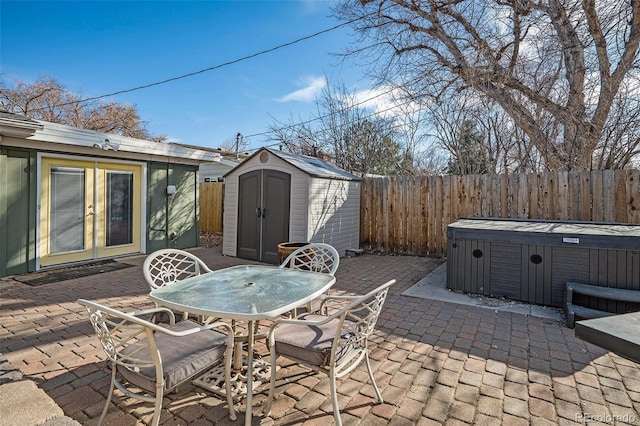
<point>341,125</point>
<point>224,64</point>
<point>291,126</point>
<point>235,61</point>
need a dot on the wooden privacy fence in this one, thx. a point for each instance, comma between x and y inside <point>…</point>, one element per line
<point>410,214</point>
<point>211,198</point>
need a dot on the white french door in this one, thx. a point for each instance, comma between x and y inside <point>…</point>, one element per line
<point>88,210</point>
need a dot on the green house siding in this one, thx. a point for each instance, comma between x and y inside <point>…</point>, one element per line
<point>172,220</point>
<point>17,211</point>
<point>157,207</point>
<point>184,228</point>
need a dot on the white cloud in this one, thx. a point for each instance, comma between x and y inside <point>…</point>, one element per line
<point>312,86</point>
<point>385,102</point>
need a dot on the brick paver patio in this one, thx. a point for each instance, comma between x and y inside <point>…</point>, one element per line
<point>435,362</point>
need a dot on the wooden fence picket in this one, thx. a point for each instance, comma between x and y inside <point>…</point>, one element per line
<point>410,214</point>
<point>429,203</point>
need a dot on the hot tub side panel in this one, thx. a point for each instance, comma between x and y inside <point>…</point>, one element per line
<point>534,267</point>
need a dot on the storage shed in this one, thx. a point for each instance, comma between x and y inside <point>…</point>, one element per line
<point>275,197</point>
<point>530,261</point>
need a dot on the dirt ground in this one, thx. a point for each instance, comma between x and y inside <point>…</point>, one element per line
<point>210,239</point>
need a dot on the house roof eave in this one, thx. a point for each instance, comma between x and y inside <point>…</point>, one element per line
<point>16,126</point>
<point>75,137</point>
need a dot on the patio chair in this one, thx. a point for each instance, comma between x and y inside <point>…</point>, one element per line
<point>167,266</point>
<point>335,344</point>
<point>157,359</point>
<point>316,257</point>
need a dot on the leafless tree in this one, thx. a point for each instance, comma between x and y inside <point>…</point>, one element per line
<point>298,136</point>
<point>412,122</point>
<point>46,99</point>
<point>622,133</point>
<point>429,160</point>
<point>355,137</point>
<point>555,66</point>
<point>115,118</point>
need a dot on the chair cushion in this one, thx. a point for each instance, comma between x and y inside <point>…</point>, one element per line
<point>308,343</point>
<point>182,357</point>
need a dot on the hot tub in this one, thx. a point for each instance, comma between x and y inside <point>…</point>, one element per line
<point>530,260</point>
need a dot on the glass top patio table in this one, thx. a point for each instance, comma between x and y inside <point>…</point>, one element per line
<point>248,292</point>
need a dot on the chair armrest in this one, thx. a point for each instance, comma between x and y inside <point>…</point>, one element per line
<point>196,329</point>
<point>172,317</point>
<point>305,321</point>
<point>134,318</point>
<point>325,299</point>
<point>341,297</point>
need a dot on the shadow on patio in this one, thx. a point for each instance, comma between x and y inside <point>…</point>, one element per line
<point>436,362</point>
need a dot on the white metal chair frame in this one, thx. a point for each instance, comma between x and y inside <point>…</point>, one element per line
<point>126,339</point>
<point>167,266</point>
<point>356,322</point>
<point>316,257</point>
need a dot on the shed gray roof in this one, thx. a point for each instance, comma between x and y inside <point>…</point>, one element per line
<point>313,166</point>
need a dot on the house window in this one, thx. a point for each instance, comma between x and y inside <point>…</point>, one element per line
<point>67,214</point>
<point>119,208</point>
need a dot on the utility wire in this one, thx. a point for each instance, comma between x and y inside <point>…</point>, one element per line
<point>341,125</point>
<point>322,117</point>
<point>215,67</point>
<point>291,126</point>
<point>241,59</point>
<point>224,64</point>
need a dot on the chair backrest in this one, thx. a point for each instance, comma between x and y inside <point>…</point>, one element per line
<point>167,266</point>
<point>126,340</point>
<point>316,257</point>
<point>357,321</point>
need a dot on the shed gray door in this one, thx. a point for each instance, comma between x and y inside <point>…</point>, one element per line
<point>249,194</point>
<point>263,214</point>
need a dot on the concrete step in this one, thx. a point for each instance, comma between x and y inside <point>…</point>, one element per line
<point>22,402</point>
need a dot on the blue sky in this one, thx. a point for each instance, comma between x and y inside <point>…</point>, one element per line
<point>96,48</point>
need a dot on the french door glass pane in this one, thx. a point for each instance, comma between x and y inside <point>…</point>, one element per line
<point>119,208</point>
<point>67,209</point>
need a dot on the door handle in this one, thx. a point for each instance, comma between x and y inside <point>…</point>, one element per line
<point>258,213</point>
<point>264,212</point>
